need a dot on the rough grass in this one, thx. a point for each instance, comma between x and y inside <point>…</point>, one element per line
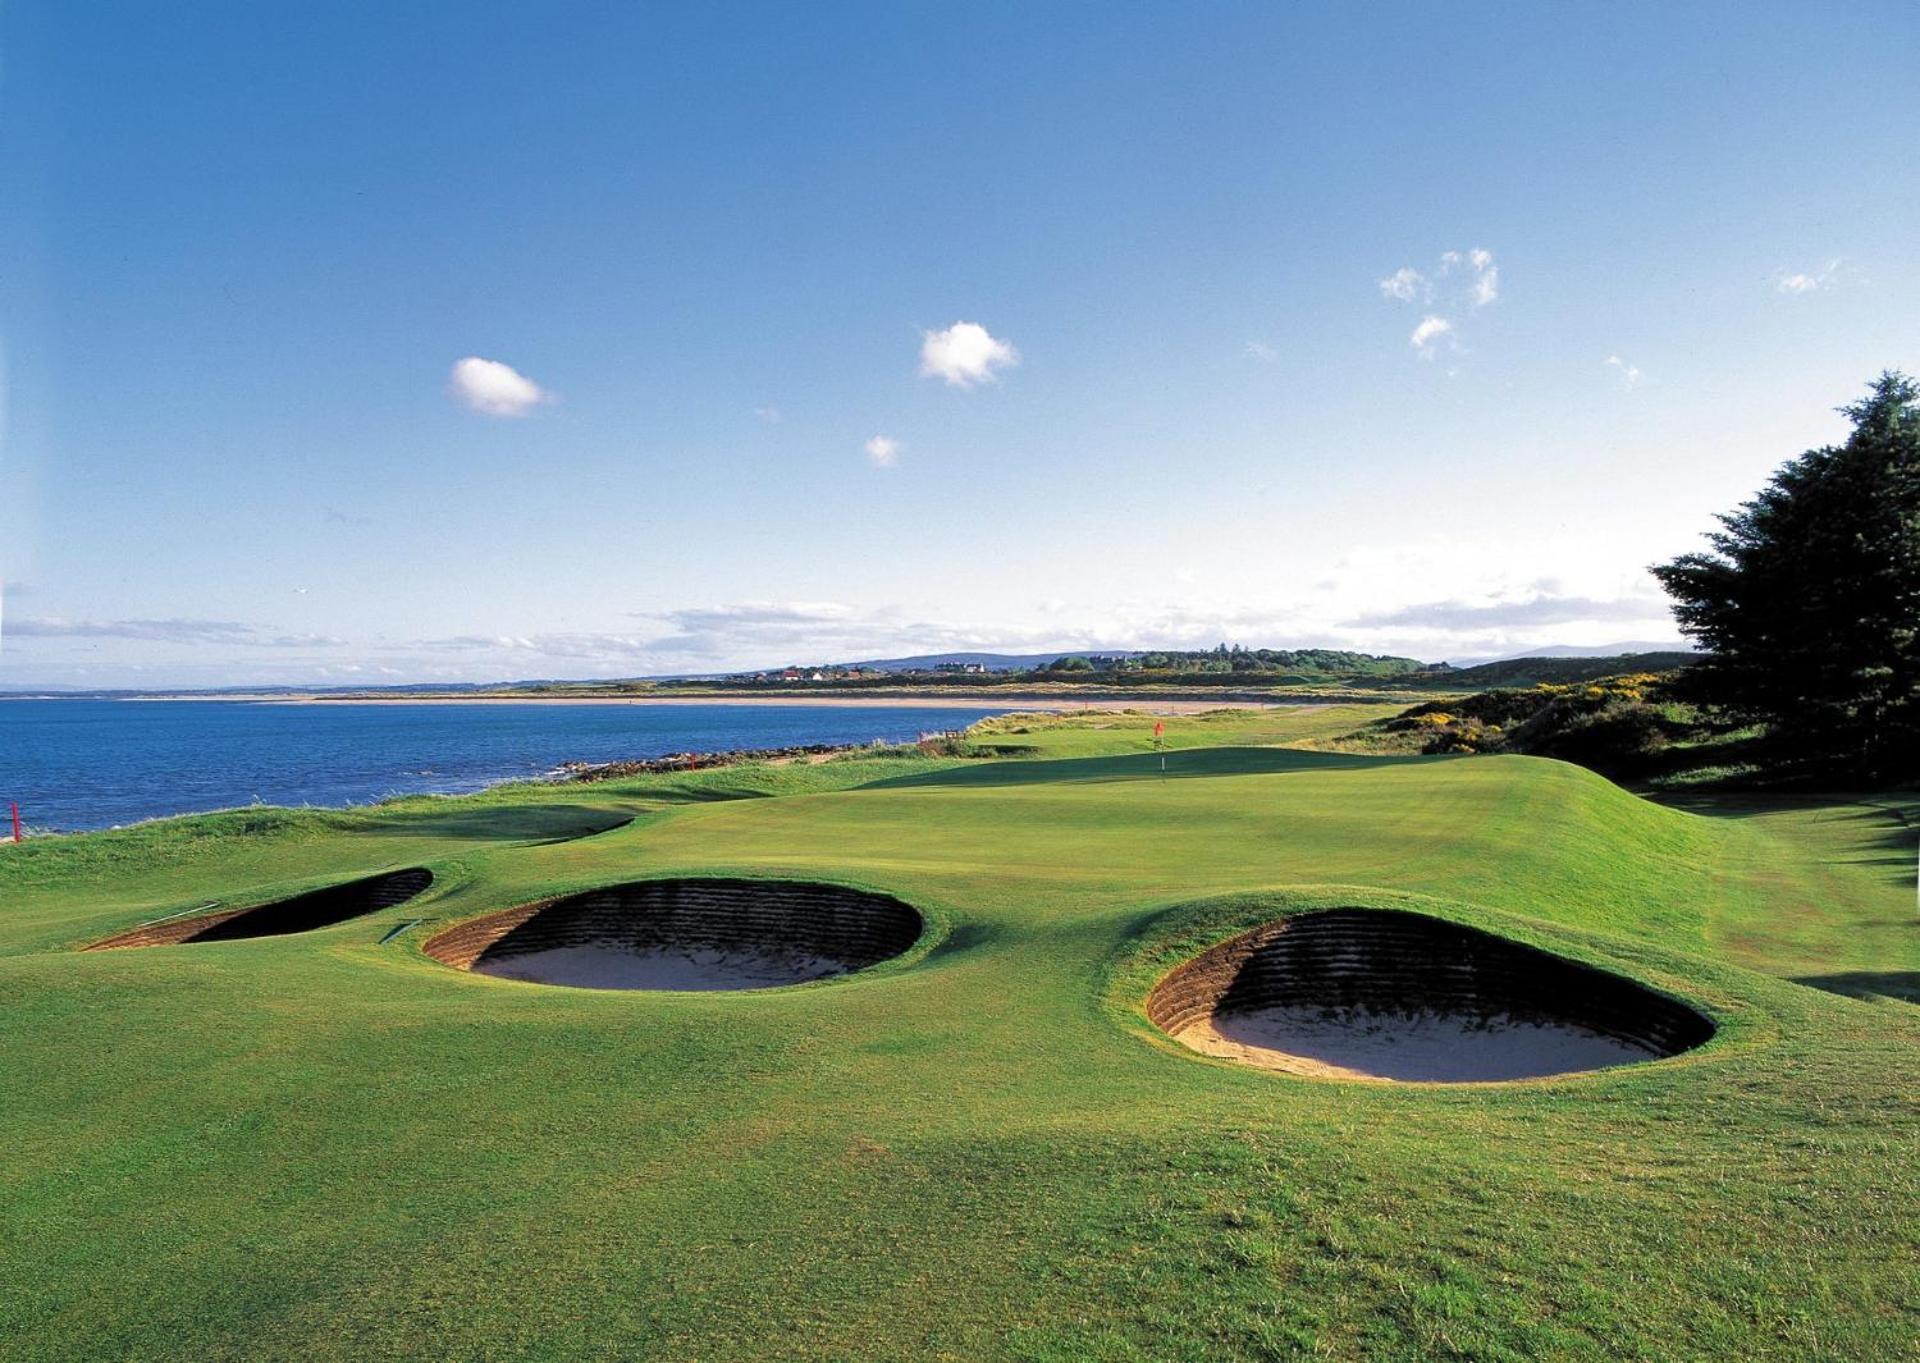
<point>322,1147</point>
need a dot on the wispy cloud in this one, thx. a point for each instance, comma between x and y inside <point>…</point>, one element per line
<point>728,637</point>
<point>463,643</point>
<point>1542,609</point>
<point>883,451</point>
<point>965,354</point>
<point>1261,351</point>
<point>1798,283</point>
<point>1505,617</point>
<point>1481,275</point>
<point>769,416</point>
<point>493,388</point>
<point>170,631</point>
<point>1630,375</point>
<point>777,630</point>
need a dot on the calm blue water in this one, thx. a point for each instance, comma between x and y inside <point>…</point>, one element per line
<point>75,764</point>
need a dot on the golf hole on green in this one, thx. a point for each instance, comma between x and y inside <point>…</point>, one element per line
<point>302,913</point>
<point>1387,995</point>
<point>685,935</point>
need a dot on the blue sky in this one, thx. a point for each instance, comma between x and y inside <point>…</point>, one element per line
<point>712,257</point>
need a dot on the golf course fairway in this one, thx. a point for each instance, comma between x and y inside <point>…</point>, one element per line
<point>331,1145</point>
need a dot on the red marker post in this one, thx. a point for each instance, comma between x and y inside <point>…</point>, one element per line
<point>16,819</point>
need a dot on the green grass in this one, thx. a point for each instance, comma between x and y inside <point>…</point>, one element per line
<point>1106,732</point>
<point>321,1147</point>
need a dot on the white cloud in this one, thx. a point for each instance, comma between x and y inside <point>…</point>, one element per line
<point>769,415</point>
<point>1800,282</point>
<point>1406,284</point>
<point>495,389</point>
<point>1431,329</point>
<point>1486,285</point>
<point>1484,288</point>
<point>884,451</point>
<point>1259,350</point>
<point>1629,374</point>
<point>1532,609</point>
<point>1471,280</point>
<point>965,354</point>
<point>1478,597</point>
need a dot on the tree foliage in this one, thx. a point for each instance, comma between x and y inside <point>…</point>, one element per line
<point>1810,599</point>
<point>1238,660</point>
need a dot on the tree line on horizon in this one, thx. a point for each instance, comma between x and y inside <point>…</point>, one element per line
<point>1236,659</point>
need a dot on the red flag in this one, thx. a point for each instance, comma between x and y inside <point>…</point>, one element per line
<point>1159,727</point>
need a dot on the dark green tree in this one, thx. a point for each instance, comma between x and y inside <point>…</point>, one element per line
<point>1809,603</point>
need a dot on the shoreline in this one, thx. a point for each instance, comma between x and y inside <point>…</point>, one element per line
<point>969,700</point>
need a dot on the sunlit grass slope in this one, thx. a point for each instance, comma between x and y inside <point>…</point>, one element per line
<point>322,1146</point>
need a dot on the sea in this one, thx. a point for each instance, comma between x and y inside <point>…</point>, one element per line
<point>72,765</point>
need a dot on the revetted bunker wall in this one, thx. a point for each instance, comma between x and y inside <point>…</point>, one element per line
<point>853,927</point>
<point>302,913</point>
<point>1385,961</point>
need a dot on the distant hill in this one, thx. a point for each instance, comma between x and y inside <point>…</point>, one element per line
<point>1535,670</point>
<point>1612,650</point>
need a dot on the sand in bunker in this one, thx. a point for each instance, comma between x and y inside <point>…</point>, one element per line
<point>692,935</point>
<point>1419,1047</point>
<point>602,967</point>
<point>1389,994</point>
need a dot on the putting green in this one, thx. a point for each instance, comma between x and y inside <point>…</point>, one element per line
<point>327,1145</point>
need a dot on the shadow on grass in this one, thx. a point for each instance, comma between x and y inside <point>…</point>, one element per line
<point>1184,763</point>
<point>704,795</point>
<point>540,824</point>
<point>1887,834</point>
<point>1868,984</point>
<point>966,936</point>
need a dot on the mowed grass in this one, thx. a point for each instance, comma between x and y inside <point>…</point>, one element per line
<point>323,1147</point>
<point>1095,732</point>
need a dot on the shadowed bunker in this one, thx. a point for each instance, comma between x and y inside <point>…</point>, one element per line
<point>1381,994</point>
<point>702,934</point>
<point>301,913</point>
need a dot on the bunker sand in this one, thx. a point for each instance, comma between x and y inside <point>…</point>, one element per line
<point>1393,996</point>
<point>692,935</point>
